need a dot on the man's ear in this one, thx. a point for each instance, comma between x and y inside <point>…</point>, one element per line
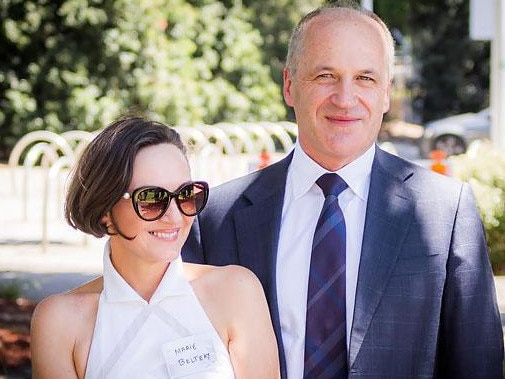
<point>387,99</point>
<point>286,89</point>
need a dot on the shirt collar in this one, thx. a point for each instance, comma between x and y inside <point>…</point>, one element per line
<point>304,172</point>
<point>116,289</point>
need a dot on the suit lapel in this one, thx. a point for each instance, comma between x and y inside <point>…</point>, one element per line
<point>388,218</point>
<point>257,232</point>
<point>257,225</point>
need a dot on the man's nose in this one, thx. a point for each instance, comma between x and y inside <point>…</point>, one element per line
<point>344,94</point>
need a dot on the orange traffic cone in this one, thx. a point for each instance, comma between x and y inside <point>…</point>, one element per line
<point>439,164</point>
<point>265,159</point>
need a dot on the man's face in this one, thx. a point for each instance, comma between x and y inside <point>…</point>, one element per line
<point>340,89</point>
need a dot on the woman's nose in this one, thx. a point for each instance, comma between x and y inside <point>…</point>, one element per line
<point>172,211</point>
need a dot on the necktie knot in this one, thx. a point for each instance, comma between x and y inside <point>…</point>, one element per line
<point>331,184</point>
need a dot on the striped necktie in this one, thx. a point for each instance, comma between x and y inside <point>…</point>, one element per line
<point>325,336</point>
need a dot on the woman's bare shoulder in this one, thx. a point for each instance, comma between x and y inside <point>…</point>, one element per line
<point>215,275</point>
<point>78,301</point>
<point>62,326</point>
<point>233,280</point>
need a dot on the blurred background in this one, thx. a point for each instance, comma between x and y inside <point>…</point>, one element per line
<point>213,69</point>
<point>77,65</point>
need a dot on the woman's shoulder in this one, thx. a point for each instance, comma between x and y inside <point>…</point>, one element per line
<point>66,306</point>
<point>230,277</point>
<point>224,287</point>
<point>64,323</point>
<point>229,294</point>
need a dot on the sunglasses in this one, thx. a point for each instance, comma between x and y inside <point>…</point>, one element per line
<point>151,203</point>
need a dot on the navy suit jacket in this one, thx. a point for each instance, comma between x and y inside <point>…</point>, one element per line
<point>425,302</point>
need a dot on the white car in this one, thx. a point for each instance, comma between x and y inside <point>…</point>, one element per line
<point>453,134</point>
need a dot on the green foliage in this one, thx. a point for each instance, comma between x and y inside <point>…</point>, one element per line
<point>394,12</point>
<point>275,19</point>
<point>484,168</point>
<point>76,64</point>
<point>453,70</point>
<point>10,291</point>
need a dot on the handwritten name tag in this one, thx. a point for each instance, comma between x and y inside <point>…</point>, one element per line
<point>189,355</point>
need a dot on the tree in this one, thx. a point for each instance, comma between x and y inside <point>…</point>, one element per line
<point>76,64</point>
<point>275,19</point>
<point>453,70</point>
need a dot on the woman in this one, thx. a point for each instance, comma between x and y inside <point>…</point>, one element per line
<point>149,315</point>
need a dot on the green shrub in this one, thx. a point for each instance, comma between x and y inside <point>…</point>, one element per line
<point>9,291</point>
<point>484,168</point>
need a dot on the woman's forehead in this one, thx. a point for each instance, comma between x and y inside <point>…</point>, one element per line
<point>162,165</point>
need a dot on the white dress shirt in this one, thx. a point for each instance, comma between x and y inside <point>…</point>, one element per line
<point>303,202</point>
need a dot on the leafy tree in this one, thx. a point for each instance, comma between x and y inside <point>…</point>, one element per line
<point>77,64</point>
<point>275,19</point>
<point>394,12</point>
<point>453,70</point>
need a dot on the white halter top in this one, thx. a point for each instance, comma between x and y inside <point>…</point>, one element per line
<point>168,337</point>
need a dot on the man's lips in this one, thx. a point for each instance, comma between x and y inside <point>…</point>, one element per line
<point>343,118</point>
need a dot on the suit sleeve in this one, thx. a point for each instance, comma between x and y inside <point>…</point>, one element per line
<point>471,336</point>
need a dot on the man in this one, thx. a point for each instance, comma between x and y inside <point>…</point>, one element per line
<point>419,296</point>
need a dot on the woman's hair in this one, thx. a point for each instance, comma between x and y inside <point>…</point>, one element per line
<point>105,169</point>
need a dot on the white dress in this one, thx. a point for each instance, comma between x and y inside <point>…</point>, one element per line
<point>168,337</point>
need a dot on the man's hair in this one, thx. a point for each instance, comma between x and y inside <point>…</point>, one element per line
<point>295,47</point>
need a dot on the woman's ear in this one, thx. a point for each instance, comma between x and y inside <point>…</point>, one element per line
<point>106,218</point>
<point>106,221</point>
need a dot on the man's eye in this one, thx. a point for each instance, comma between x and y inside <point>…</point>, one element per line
<point>365,78</point>
<point>324,76</point>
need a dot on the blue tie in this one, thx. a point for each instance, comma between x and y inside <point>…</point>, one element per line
<point>325,336</point>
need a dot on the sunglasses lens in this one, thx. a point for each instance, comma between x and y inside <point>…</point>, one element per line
<point>192,198</point>
<point>152,203</point>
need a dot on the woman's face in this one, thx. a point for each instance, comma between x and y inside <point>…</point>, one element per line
<point>158,241</point>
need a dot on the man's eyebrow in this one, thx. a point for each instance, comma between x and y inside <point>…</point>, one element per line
<point>368,71</point>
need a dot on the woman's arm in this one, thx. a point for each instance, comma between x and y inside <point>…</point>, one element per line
<point>52,339</point>
<point>252,342</point>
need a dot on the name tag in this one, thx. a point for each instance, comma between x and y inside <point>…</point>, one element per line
<point>189,355</point>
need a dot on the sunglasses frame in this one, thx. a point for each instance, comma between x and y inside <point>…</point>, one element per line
<point>204,186</point>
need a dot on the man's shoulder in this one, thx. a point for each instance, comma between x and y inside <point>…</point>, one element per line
<point>413,171</point>
<point>272,175</point>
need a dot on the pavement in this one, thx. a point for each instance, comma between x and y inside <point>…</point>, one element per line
<point>40,258</point>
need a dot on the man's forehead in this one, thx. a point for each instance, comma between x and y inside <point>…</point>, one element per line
<point>343,16</point>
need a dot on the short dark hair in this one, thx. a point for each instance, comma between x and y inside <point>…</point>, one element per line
<point>105,169</point>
